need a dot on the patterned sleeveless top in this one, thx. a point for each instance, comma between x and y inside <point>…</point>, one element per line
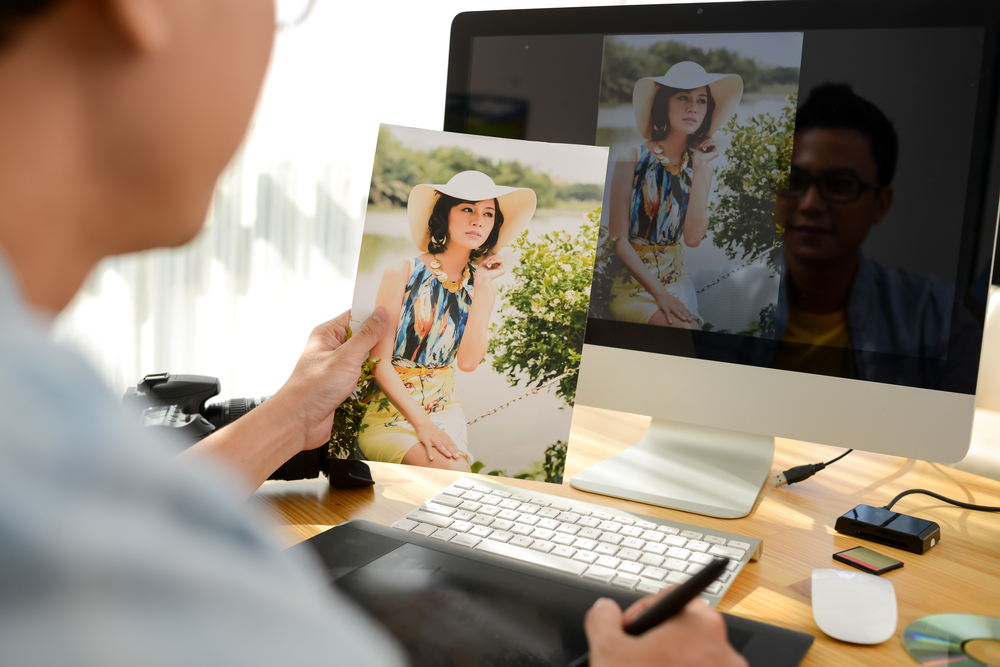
<point>431,320</point>
<point>660,193</point>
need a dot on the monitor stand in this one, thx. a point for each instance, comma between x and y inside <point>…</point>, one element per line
<point>698,469</point>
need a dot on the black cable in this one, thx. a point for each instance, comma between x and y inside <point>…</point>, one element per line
<point>799,473</point>
<point>968,506</point>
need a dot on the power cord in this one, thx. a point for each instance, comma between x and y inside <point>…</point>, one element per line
<point>799,473</point>
<point>958,503</point>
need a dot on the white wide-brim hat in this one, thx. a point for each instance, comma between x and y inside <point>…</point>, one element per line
<point>516,204</point>
<point>727,89</point>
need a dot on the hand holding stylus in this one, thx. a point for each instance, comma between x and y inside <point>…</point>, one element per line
<point>695,635</point>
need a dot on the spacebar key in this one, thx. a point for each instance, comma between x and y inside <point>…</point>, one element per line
<point>538,558</point>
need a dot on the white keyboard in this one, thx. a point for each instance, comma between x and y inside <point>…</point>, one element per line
<point>602,544</point>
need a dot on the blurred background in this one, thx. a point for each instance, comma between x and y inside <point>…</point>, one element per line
<point>279,250</point>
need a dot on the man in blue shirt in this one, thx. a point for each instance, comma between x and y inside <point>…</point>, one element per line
<point>116,118</point>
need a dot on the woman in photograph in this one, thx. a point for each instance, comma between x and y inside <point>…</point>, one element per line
<point>442,301</point>
<point>659,192</point>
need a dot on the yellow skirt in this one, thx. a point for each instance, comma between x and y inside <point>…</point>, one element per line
<point>386,435</point>
<point>630,302</point>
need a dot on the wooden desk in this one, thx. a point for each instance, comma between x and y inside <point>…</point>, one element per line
<point>960,575</point>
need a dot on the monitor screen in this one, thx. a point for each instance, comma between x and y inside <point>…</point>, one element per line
<point>812,262</point>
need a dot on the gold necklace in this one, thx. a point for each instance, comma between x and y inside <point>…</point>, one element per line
<point>446,282</point>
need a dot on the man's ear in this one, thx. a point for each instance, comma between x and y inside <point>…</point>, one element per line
<point>144,24</point>
<point>883,202</point>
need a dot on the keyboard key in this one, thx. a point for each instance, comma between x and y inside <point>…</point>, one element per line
<point>653,548</point>
<point>728,552</point>
<point>681,554</point>
<point>697,545</point>
<point>629,567</point>
<point>585,544</point>
<point>528,508</point>
<point>434,508</point>
<point>675,564</point>
<point>608,561</point>
<point>520,541</point>
<point>633,543</point>
<point>649,587</point>
<point>491,500</point>
<point>453,491</point>
<point>520,497</point>
<point>450,501</point>
<point>501,494</point>
<point>470,505</point>
<point>739,545</point>
<point>463,515</point>
<point>606,549</point>
<point>691,535</point>
<point>509,504</point>
<point>589,533</point>
<point>603,516</point>
<point>542,534</point>
<point>528,519</point>
<point>694,568</point>
<point>569,517</point>
<point>568,529</point>
<point>701,559</point>
<point>509,515</point>
<point>433,519</point>
<point>472,495</point>
<point>482,520</point>
<point>667,530</point>
<point>490,511</point>
<point>466,540</point>
<point>589,522</point>
<point>724,577</point>
<point>600,574</point>
<point>657,573</point>
<point>521,529</point>
<point>542,545</point>
<point>625,521</point>
<point>631,531</point>
<point>443,534</point>
<point>674,541</point>
<point>585,556</point>
<point>563,550</point>
<point>612,538</point>
<point>461,526</point>
<point>646,525</point>
<point>481,531</point>
<point>502,524</point>
<point>611,526</point>
<point>713,588</point>
<point>715,540</point>
<point>501,535</point>
<point>677,578</point>
<point>564,539</point>
<point>625,581</point>
<point>548,512</point>
<point>549,524</point>
<point>482,489</point>
<point>651,559</point>
<point>424,529</point>
<point>732,565</point>
<point>561,506</point>
<point>405,524</point>
<point>653,536</point>
<point>463,484</point>
<point>629,554</point>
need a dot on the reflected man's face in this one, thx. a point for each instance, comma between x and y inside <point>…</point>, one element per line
<point>822,232</point>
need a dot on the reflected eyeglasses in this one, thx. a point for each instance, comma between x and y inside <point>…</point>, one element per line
<point>292,13</point>
<point>843,186</point>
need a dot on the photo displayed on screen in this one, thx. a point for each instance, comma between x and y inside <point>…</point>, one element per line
<point>700,134</point>
<point>482,251</point>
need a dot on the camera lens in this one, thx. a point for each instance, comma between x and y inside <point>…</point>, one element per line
<point>220,414</point>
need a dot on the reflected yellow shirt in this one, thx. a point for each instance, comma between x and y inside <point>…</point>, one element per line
<point>822,346</point>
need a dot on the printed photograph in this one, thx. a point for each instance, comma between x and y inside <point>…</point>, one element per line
<point>699,129</point>
<point>482,251</point>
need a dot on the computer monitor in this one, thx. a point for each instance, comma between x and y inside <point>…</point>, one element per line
<point>884,360</point>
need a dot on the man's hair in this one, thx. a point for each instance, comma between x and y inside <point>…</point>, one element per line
<point>834,106</point>
<point>13,12</point>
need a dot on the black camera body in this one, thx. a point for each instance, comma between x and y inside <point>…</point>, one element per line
<point>180,402</point>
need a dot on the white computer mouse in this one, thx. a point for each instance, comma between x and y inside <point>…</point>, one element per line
<point>853,606</point>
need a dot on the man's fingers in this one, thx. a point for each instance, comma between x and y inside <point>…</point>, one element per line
<point>602,619</point>
<point>367,335</point>
<point>640,606</point>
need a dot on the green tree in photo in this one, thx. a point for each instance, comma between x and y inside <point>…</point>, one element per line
<point>541,336</point>
<point>758,159</point>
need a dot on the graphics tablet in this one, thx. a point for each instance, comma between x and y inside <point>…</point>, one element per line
<point>449,606</point>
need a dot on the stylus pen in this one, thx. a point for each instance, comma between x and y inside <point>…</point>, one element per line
<point>671,605</point>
